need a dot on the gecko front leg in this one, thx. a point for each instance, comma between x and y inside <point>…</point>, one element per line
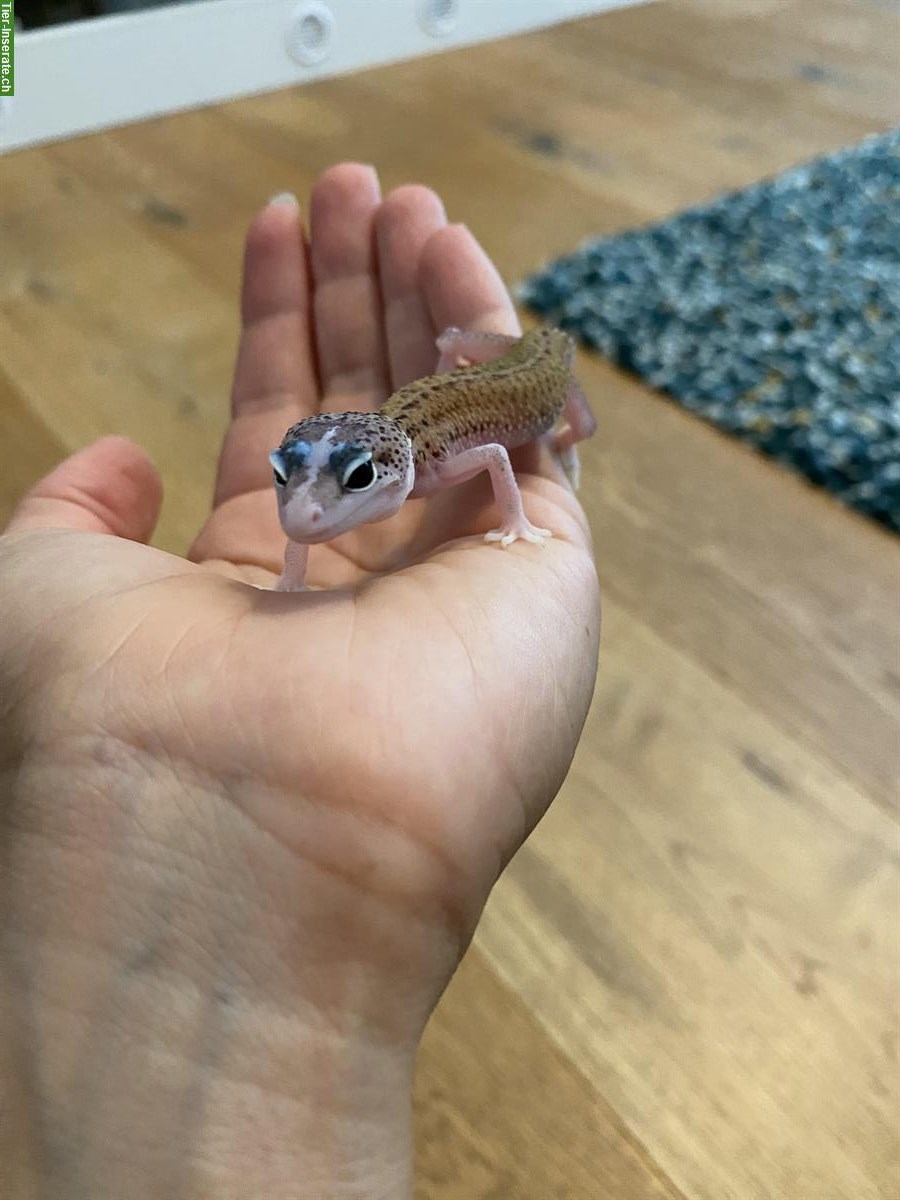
<point>494,459</point>
<point>293,577</point>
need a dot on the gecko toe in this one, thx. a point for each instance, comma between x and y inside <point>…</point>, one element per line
<point>525,533</point>
<point>536,536</point>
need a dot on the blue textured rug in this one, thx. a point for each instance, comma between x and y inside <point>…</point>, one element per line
<point>773,312</point>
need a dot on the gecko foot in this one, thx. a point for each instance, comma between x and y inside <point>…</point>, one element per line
<point>568,458</point>
<point>519,529</point>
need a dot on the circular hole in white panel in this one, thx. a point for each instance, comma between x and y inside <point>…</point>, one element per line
<point>311,33</point>
<point>439,17</point>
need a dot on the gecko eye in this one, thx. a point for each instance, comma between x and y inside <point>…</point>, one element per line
<point>359,476</point>
<point>279,468</point>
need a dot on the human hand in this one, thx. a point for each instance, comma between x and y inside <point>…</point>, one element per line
<point>249,834</point>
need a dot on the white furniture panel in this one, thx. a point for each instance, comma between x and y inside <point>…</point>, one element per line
<point>105,71</point>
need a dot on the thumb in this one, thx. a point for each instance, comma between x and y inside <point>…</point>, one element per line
<point>110,487</point>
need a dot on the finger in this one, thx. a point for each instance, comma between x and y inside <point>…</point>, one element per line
<point>110,487</point>
<point>404,223</point>
<point>462,286</point>
<point>275,381</point>
<point>347,302</point>
<point>245,532</point>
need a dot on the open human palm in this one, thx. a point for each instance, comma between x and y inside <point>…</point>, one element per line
<point>363,757</point>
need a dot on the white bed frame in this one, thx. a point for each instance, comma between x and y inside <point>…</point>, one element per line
<point>105,71</point>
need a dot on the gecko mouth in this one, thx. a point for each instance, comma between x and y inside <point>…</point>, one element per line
<point>314,528</point>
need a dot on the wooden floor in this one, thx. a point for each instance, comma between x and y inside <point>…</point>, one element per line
<point>686,985</point>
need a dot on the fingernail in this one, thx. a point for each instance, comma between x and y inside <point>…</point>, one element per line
<point>285,198</point>
<point>376,179</point>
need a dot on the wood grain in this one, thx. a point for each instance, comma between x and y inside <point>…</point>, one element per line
<point>686,986</point>
<point>485,1046</point>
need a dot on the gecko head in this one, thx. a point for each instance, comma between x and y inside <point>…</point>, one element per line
<point>338,470</point>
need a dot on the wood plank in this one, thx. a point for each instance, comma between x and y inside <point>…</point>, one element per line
<point>737,1007</point>
<point>766,581</point>
<point>502,1113</point>
<point>93,357</point>
<point>29,451</point>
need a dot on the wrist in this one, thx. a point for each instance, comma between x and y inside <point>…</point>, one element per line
<point>210,1101</point>
<point>290,1113</point>
<point>169,1029</point>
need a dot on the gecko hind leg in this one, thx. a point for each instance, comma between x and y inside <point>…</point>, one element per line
<point>495,459</point>
<point>466,348</point>
<point>571,464</point>
<point>580,424</point>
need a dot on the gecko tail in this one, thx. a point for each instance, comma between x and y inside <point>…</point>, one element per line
<point>579,416</point>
